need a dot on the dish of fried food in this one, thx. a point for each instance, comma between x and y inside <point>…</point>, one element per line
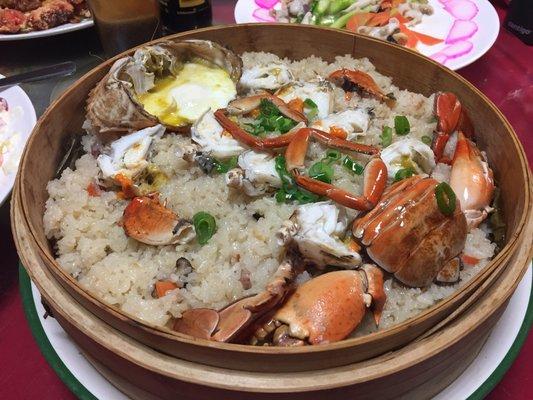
<point>36,15</point>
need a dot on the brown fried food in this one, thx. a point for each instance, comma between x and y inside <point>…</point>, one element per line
<point>11,21</point>
<point>21,5</point>
<point>52,13</point>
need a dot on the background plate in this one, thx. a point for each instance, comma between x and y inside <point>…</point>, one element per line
<point>495,358</point>
<point>438,25</point>
<point>58,30</point>
<point>23,121</point>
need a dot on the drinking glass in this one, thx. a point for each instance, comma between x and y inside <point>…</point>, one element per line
<point>123,24</point>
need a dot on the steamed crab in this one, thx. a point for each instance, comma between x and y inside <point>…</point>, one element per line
<point>115,105</point>
<point>403,231</point>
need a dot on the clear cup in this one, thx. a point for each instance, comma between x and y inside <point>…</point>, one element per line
<point>123,24</point>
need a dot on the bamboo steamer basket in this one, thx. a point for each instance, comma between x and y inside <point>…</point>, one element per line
<point>409,70</point>
<point>419,370</point>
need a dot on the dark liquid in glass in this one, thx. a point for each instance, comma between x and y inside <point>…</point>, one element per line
<point>123,24</point>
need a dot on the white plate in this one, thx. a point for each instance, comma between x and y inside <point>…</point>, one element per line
<point>477,380</point>
<point>58,30</point>
<point>22,123</point>
<point>485,20</point>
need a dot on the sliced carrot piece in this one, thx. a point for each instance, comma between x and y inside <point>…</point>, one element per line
<point>126,185</point>
<point>379,19</point>
<point>93,189</point>
<point>296,104</point>
<point>338,132</point>
<point>426,39</point>
<point>163,287</point>
<point>469,260</point>
<point>396,3</point>
<point>412,39</point>
<point>385,5</point>
<point>396,14</point>
<point>358,20</point>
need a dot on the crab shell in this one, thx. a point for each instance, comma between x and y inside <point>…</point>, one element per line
<point>112,107</point>
<point>327,308</point>
<point>406,233</point>
<point>148,221</point>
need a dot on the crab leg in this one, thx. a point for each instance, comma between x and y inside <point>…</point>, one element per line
<point>262,144</point>
<point>350,80</point>
<point>297,148</point>
<point>248,104</point>
<point>375,172</point>
<point>375,180</point>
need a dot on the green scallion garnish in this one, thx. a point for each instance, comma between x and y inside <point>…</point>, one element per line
<point>426,139</point>
<point>321,171</point>
<point>205,226</point>
<point>445,198</point>
<point>224,166</point>
<point>352,165</point>
<point>401,125</point>
<point>310,108</point>
<point>403,174</point>
<point>386,136</point>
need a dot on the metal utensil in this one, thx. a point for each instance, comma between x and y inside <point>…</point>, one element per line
<point>62,69</point>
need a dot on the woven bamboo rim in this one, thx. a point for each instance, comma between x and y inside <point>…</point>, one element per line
<point>345,352</point>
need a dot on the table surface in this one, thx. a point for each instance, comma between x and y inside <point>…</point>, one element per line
<point>504,74</point>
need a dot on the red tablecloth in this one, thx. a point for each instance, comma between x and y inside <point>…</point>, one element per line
<point>503,74</point>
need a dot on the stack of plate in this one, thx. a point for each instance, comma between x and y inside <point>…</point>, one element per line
<point>415,359</point>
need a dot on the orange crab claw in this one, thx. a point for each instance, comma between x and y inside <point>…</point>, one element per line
<point>375,180</point>
<point>350,80</point>
<point>472,180</point>
<point>325,309</point>
<point>374,277</point>
<point>148,221</point>
<point>451,116</point>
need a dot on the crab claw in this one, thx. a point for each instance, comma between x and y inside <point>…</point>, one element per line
<point>451,116</point>
<point>325,309</point>
<point>374,278</point>
<point>352,80</point>
<point>230,323</point>
<point>472,181</point>
<point>146,220</point>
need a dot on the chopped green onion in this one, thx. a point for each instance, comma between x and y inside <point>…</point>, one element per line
<point>312,107</point>
<point>224,166</point>
<point>204,225</point>
<point>445,198</point>
<point>403,174</point>
<point>426,139</point>
<point>386,136</point>
<point>321,171</point>
<point>401,125</point>
<point>270,120</point>
<point>281,169</point>
<point>289,190</point>
<point>332,156</point>
<point>353,166</point>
